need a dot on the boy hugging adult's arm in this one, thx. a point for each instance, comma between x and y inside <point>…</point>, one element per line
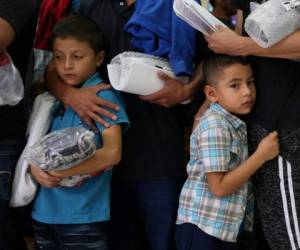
<point>230,87</point>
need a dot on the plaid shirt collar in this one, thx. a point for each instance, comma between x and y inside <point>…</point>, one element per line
<point>232,119</point>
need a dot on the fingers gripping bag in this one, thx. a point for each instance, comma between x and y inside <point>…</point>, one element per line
<point>11,84</point>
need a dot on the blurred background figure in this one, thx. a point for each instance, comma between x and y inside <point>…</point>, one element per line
<point>224,10</point>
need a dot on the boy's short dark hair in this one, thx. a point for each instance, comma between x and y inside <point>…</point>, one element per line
<point>81,29</point>
<point>214,65</point>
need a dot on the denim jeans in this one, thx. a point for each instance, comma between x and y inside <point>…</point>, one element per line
<point>90,236</point>
<point>143,215</point>
<point>10,229</point>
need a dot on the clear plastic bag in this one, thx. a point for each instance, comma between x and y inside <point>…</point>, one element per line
<point>63,149</point>
<point>272,21</point>
<point>11,84</point>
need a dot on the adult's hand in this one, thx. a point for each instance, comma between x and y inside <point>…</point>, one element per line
<point>44,178</point>
<point>226,41</point>
<point>173,92</point>
<point>89,106</point>
<point>205,105</point>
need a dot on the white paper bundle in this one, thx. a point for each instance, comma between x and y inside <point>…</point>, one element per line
<point>24,186</point>
<point>11,84</point>
<point>272,21</point>
<point>197,16</point>
<point>136,73</point>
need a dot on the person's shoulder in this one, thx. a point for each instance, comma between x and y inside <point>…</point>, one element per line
<point>212,120</point>
<point>19,13</point>
<point>109,94</point>
<point>114,96</point>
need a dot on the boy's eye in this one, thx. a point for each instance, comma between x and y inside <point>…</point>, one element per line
<point>234,85</point>
<point>251,82</point>
<point>56,56</point>
<point>78,57</point>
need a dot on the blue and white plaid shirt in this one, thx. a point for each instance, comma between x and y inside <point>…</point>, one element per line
<point>218,144</point>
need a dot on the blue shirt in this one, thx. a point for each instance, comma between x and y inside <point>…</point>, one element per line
<point>89,202</point>
<point>218,144</point>
<point>156,30</point>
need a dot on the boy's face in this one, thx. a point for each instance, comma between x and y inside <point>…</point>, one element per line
<point>234,89</point>
<point>75,60</point>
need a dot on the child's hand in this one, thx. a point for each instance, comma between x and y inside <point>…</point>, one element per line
<point>43,178</point>
<point>268,148</point>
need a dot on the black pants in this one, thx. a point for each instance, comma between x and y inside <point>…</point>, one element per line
<point>143,215</point>
<point>11,226</point>
<point>277,190</point>
<point>190,237</point>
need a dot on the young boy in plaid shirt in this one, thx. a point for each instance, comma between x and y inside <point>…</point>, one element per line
<point>217,194</point>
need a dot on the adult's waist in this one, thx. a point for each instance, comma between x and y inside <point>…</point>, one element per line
<point>13,122</point>
<point>278,91</point>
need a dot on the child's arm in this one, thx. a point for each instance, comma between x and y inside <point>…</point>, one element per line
<point>226,183</point>
<point>109,154</point>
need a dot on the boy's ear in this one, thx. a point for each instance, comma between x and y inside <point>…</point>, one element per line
<point>100,58</point>
<point>210,93</point>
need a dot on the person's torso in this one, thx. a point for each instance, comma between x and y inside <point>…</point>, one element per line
<point>153,145</point>
<point>278,90</point>
<point>13,119</point>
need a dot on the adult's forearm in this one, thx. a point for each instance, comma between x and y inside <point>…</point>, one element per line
<point>55,85</point>
<point>288,48</point>
<point>7,34</point>
<point>195,83</point>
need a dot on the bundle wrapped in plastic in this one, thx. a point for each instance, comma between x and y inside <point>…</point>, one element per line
<point>272,21</point>
<point>137,73</point>
<point>11,84</point>
<point>63,149</point>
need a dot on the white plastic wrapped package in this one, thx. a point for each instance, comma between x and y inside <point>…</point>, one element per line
<point>11,84</point>
<point>136,73</point>
<point>272,21</point>
<point>63,149</point>
<point>24,186</point>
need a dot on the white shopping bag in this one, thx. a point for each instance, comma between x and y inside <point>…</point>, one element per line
<point>24,186</point>
<point>11,84</point>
